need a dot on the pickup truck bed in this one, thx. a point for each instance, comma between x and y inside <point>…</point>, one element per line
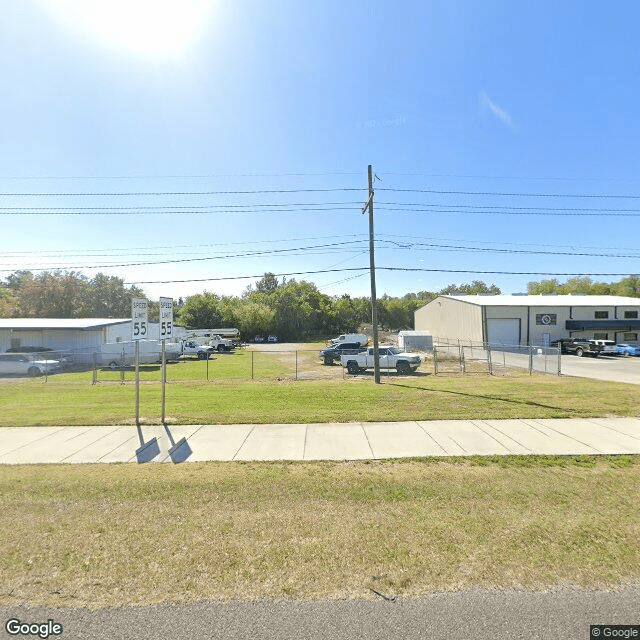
<point>578,347</point>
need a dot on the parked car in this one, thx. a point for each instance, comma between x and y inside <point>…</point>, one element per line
<point>272,339</point>
<point>258,339</point>
<point>628,349</point>
<point>390,357</point>
<point>361,338</point>
<point>608,346</point>
<point>45,353</point>
<point>334,352</point>
<point>578,346</point>
<point>20,364</point>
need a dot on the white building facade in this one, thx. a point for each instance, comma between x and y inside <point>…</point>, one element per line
<point>83,339</point>
<point>531,320</point>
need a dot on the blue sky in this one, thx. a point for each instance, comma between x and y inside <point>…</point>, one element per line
<point>479,119</point>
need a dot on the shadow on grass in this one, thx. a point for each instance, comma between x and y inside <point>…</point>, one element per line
<point>483,397</point>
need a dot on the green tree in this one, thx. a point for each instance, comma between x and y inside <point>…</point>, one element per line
<point>475,287</point>
<point>108,297</point>
<point>268,283</point>
<point>9,303</point>
<point>200,311</point>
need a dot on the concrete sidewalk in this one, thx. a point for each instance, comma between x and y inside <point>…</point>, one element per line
<point>351,441</point>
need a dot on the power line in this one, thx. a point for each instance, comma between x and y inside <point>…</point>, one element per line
<point>504,208</point>
<point>511,195</point>
<point>338,246</point>
<point>73,252</point>
<point>406,269</point>
<point>523,251</point>
<point>190,177</point>
<point>505,211</point>
<point>520,244</point>
<point>249,254</point>
<point>177,193</point>
<point>181,208</point>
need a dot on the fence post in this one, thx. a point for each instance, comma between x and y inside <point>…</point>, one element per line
<point>252,353</point>
<point>530,359</point>
<point>559,361</point>
<point>460,356</point>
<point>296,364</point>
<point>435,361</point>
<point>489,364</point>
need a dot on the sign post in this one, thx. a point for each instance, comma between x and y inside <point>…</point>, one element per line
<point>166,331</point>
<point>139,331</point>
<point>139,328</point>
<point>178,451</point>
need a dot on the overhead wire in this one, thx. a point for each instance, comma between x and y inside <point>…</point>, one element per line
<point>405,269</point>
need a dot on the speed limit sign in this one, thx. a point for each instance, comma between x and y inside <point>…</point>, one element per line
<point>139,318</point>
<point>166,318</point>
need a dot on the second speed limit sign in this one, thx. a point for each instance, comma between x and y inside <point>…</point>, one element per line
<point>166,318</point>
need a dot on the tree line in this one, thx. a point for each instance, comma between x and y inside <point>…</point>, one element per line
<point>290,309</point>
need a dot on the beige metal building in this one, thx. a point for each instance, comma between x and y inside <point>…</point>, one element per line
<point>530,320</point>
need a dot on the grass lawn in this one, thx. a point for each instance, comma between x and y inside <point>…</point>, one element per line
<point>66,400</point>
<point>106,535</point>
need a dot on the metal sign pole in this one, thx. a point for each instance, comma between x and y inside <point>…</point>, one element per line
<point>166,331</point>
<point>137,383</point>
<point>139,330</point>
<point>164,381</point>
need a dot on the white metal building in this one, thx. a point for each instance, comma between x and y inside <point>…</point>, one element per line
<point>531,320</point>
<point>83,336</point>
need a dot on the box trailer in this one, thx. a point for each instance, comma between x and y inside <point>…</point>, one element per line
<point>415,341</point>
<point>123,354</point>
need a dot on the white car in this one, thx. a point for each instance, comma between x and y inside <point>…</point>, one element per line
<point>272,339</point>
<point>19,364</point>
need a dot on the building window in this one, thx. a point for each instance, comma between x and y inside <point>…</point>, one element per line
<point>631,315</point>
<point>630,337</point>
<point>600,336</point>
<point>601,315</point>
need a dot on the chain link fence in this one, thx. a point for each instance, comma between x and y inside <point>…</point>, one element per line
<point>448,357</point>
<point>456,356</point>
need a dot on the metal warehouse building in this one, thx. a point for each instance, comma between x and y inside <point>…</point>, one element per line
<point>530,320</point>
<point>83,337</point>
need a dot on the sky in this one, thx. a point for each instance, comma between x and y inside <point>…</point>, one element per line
<point>193,146</point>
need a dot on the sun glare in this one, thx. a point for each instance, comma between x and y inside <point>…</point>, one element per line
<point>154,28</point>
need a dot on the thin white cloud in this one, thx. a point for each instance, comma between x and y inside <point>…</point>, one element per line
<point>487,103</point>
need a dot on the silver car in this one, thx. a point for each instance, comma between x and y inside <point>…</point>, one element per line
<point>21,364</point>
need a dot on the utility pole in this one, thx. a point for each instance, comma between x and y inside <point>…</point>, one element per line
<point>372,271</point>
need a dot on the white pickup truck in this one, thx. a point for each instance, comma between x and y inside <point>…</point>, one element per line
<point>193,348</point>
<point>206,338</point>
<point>221,344</point>
<point>390,358</point>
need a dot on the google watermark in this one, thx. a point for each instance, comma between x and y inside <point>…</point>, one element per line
<point>15,627</point>
<point>615,631</point>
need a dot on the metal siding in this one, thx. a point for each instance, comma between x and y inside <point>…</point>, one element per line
<point>450,318</point>
<point>555,331</point>
<point>505,331</point>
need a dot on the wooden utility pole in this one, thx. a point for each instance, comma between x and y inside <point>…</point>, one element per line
<point>372,271</point>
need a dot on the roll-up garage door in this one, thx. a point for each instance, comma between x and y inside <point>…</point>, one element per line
<point>505,331</point>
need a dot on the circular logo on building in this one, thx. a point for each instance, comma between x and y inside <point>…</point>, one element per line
<point>545,319</point>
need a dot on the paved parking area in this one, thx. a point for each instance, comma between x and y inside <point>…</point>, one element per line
<point>351,441</point>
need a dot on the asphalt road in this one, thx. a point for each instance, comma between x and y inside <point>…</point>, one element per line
<point>610,368</point>
<point>560,614</point>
